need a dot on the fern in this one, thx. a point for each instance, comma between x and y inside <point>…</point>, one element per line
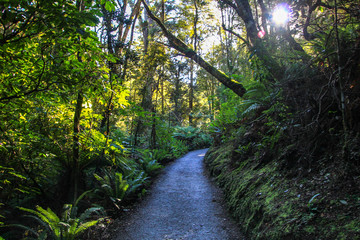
<point>120,185</point>
<point>149,164</point>
<point>66,228</point>
<point>250,106</point>
<point>136,180</point>
<point>85,226</point>
<point>112,185</point>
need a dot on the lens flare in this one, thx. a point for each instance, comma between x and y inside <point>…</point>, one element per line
<point>261,34</point>
<point>281,14</point>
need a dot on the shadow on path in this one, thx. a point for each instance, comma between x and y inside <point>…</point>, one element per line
<point>183,204</point>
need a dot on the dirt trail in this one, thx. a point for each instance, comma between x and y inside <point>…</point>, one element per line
<point>183,204</point>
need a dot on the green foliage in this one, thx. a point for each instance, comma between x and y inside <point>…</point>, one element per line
<point>137,181</point>
<point>148,162</point>
<point>230,109</point>
<point>272,205</point>
<point>177,148</point>
<point>122,180</point>
<point>161,155</point>
<point>68,226</point>
<point>168,146</point>
<point>312,203</point>
<point>11,182</point>
<point>112,185</point>
<point>276,118</point>
<point>193,137</point>
<point>50,54</point>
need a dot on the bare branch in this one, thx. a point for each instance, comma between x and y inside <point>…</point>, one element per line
<point>236,34</point>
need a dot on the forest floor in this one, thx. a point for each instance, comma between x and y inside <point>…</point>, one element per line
<point>183,204</point>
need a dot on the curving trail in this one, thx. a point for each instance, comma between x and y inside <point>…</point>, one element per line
<point>183,204</point>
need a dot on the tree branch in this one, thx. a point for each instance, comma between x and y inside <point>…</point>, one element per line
<point>179,45</point>
<point>308,36</point>
<point>236,34</point>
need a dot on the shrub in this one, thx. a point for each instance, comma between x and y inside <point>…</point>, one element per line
<point>66,227</point>
<point>148,162</point>
<point>194,138</point>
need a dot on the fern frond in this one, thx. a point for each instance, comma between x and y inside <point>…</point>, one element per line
<point>67,208</point>
<point>251,108</point>
<point>82,196</point>
<point>86,225</point>
<point>85,215</point>
<point>71,232</point>
<point>23,227</point>
<point>47,215</point>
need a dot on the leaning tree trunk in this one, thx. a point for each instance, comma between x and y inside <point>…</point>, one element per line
<point>179,45</point>
<point>243,9</point>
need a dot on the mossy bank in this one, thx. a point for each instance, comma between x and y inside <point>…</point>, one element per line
<point>271,200</point>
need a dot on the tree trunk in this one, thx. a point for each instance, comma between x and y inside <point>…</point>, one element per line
<point>75,168</point>
<point>177,96</point>
<point>147,91</point>
<point>191,84</point>
<point>243,9</point>
<point>179,45</point>
<point>191,93</point>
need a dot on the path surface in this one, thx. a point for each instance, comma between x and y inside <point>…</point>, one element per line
<point>183,204</point>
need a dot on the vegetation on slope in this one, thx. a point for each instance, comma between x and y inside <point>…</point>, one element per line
<point>290,170</point>
<point>272,201</point>
<point>287,154</point>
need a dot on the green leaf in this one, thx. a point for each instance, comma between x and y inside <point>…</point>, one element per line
<point>86,225</point>
<point>109,6</point>
<point>17,175</point>
<point>312,199</point>
<point>344,202</point>
<point>48,214</point>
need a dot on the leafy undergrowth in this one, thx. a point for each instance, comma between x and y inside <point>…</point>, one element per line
<point>273,199</point>
<point>150,162</point>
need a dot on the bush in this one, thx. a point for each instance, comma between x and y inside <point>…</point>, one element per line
<point>178,148</point>
<point>68,226</point>
<point>194,138</point>
<point>149,163</point>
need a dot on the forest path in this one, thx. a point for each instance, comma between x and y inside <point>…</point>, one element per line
<point>183,204</point>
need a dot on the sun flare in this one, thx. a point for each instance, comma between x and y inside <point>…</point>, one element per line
<point>281,14</point>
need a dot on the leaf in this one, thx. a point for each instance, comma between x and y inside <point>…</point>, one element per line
<point>344,202</point>
<point>109,6</point>
<point>312,199</point>
<point>88,213</point>
<point>82,196</point>
<point>86,225</point>
<point>252,54</point>
<point>23,227</point>
<point>22,117</point>
<point>17,175</point>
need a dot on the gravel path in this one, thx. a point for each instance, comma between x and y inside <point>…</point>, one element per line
<point>183,204</point>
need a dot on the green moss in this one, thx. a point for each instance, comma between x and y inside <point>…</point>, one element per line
<point>267,205</point>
